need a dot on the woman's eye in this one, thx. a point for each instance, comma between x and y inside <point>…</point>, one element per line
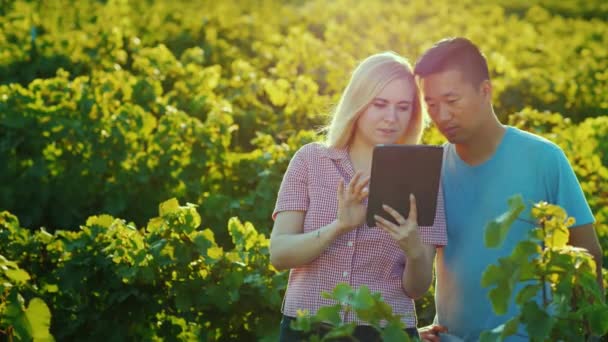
<point>404,108</point>
<point>379,105</point>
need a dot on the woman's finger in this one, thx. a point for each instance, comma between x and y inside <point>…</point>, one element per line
<point>353,182</point>
<point>341,189</point>
<point>413,215</point>
<point>395,214</point>
<point>385,224</point>
<point>364,181</point>
<point>362,194</point>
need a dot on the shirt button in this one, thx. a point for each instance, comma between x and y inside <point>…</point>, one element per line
<point>345,274</point>
<point>350,243</point>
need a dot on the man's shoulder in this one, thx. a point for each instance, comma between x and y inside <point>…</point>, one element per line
<point>531,141</point>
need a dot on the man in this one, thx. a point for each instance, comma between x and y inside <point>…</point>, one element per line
<point>485,163</point>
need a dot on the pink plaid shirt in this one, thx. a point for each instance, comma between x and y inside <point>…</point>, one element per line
<point>364,256</point>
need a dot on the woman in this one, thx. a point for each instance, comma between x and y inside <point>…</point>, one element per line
<point>319,230</point>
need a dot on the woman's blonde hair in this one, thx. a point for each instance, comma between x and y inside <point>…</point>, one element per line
<point>367,81</point>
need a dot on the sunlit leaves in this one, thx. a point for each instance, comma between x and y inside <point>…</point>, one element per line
<point>559,289</point>
<point>110,268</point>
<point>367,306</point>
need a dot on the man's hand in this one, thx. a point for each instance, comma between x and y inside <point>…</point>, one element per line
<point>431,333</point>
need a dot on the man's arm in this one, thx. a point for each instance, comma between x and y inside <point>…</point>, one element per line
<point>584,236</point>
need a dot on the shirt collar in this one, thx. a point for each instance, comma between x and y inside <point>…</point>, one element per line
<point>336,153</point>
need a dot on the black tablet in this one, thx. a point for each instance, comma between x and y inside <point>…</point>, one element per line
<point>397,171</point>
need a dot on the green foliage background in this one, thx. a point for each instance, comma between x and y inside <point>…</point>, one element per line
<point>112,107</point>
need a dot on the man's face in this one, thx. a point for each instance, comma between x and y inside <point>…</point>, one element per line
<point>456,107</point>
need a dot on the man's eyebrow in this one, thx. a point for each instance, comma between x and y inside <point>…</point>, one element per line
<point>449,93</point>
<point>446,94</point>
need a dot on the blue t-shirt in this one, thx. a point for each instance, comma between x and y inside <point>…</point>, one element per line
<point>523,164</point>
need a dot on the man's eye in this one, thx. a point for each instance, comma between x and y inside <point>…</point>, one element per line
<point>452,101</point>
<point>430,104</point>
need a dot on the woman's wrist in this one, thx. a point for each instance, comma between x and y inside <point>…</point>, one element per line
<point>340,227</point>
<point>416,253</point>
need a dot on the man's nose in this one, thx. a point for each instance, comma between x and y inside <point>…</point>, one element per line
<point>443,113</point>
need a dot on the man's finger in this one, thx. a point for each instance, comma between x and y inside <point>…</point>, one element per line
<point>439,329</point>
<point>413,215</point>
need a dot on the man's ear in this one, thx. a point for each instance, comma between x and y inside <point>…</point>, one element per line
<point>485,89</point>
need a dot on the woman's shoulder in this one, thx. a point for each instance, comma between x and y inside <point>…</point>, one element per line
<point>314,150</point>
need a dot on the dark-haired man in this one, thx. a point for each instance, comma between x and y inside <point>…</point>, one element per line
<point>485,163</point>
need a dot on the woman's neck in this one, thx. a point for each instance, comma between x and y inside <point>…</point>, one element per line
<point>361,156</point>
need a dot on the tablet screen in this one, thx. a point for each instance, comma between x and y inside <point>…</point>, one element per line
<point>397,171</point>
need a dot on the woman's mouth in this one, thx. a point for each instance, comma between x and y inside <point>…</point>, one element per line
<point>387,131</point>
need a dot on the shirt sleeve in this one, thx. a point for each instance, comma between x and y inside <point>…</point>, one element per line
<point>293,193</point>
<point>437,233</point>
<point>568,193</point>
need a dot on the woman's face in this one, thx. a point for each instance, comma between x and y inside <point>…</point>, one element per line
<point>385,119</point>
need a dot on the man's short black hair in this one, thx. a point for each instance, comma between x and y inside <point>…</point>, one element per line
<point>454,53</point>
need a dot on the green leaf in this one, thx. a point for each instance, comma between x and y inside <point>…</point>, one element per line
<point>168,207</point>
<point>492,275</point>
<point>50,288</point>
<point>17,275</point>
<point>39,318</point>
<point>598,319</point>
<point>510,328</point>
<point>330,314</point>
<point>342,292</point>
<point>496,230</point>
<point>393,332</point>
<point>527,293</point>
<point>362,299</point>
<point>499,297</point>
<point>524,250</point>
<point>558,237</point>
<point>104,221</point>
<point>340,331</point>
<point>494,335</point>
<point>538,322</point>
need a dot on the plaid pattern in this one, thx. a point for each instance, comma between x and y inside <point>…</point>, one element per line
<point>364,256</point>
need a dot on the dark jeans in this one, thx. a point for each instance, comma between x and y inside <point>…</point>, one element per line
<point>363,333</point>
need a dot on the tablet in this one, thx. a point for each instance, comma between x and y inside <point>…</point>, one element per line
<point>397,171</point>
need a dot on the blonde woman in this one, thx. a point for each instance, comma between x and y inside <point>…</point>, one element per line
<point>319,229</point>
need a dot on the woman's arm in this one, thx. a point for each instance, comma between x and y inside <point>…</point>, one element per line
<point>418,272</point>
<point>290,247</point>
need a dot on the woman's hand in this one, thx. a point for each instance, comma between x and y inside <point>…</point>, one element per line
<point>351,210</point>
<point>406,231</point>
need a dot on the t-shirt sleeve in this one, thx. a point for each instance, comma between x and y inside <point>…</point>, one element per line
<point>568,193</point>
<point>293,193</point>
<point>437,233</point>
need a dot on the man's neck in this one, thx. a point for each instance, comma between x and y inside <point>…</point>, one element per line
<point>481,147</point>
